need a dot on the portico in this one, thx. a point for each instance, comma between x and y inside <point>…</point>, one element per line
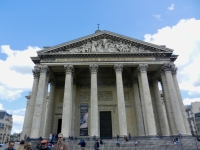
<point>104,72</point>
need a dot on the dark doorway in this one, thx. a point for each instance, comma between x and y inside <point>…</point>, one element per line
<point>59,126</point>
<point>105,125</point>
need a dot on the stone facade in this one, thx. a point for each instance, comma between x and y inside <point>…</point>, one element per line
<point>6,122</point>
<point>110,73</point>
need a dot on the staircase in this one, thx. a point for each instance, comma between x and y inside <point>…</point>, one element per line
<point>144,143</point>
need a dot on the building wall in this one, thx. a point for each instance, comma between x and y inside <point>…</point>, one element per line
<point>5,126</point>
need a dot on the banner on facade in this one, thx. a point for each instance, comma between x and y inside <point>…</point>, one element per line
<point>84,120</point>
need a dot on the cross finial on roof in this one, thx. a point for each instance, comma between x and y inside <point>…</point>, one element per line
<point>98,26</point>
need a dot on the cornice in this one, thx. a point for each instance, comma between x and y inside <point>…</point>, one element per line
<point>53,56</point>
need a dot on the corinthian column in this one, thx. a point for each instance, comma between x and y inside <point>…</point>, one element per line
<point>31,104</point>
<point>49,112</point>
<point>67,102</point>
<point>174,99</point>
<point>94,121</point>
<point>40,98</point>
<point>120,100</point>
<point>162,116</point>
<point>142,68</point>
<point>167,100</point>
<point>187,128</point>
<point>138,108</point>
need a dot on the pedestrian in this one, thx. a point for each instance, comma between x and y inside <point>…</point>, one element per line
<point>44,145</point>
<point>136,142</point>
<point>28,146</point>
<point>82,144</point>
<point>125,138</point>
<point>129,136</point>
<point>96,145</point>
<point>60,145</point>
<point>117,143</point>
<point>94,137</point>
<point>50,136</point>
<point>179,134</point>
<point>21,145</point>
<point>117,137</point>
<point>11,145</point>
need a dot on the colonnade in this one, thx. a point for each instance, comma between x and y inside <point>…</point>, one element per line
<point>170,112</point>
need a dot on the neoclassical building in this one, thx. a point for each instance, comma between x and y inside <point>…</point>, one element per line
<point>6,122</point>
<point>105,84</point>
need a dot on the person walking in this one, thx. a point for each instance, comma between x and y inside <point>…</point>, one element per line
<point>82,144</point>
<point>96,145</point>
<point>60,145</point>
<point>21,145</point>
<point>129,136</point>
<point>28,146</point>
<point>44,145</point>
<point>11,145</point>
<point>117,137</point>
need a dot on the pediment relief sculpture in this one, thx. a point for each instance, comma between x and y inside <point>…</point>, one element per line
<point>106,45</point>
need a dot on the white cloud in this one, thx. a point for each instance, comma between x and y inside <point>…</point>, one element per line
<point>16,75</point>
<point>17,112</point>
<point>188,101</point>
<point>17,123</point>
<point>184,38</point>
<point>1,107</point>
<point>158,17</point>
<point>171,7</point>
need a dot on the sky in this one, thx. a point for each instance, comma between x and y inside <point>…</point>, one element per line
<point>28,26</point>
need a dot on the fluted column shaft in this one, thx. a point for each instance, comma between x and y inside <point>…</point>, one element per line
<point>187,128</point>
<point>94,121</point>
<point>49,113</point>
<point>120,100</point>
<point>44,109</point>
<point>155,111</point>
<point>138,108</point>
<point>174,99</point>
<point>31,104</point>
<point>37,118</point>
<point>142,105</point>
<point>67,102</point>
<point>142,68</point>
<point>25,129</point>
<point>167,99</point>
<point>73,109</point>
<point>162,116</point>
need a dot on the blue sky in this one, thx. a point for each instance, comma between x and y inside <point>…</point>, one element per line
<point>27,26</point>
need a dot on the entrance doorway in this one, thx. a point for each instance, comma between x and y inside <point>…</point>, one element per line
<point>59,126</point>
<point>105,125</point>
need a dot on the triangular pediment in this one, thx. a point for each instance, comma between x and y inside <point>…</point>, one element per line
<point>105,42</point>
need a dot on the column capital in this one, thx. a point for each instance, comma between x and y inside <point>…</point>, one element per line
<point>166,67</point>
<point>93,68</point>
<point>36,72</point>
<point>69,69</point>
<point>174,70</point>
<point>118,68</point>
<point>44,69</point>
<point>142,67</point>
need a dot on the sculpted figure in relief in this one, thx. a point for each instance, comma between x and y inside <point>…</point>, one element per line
<point>107,45</point>
<point>94,44</point>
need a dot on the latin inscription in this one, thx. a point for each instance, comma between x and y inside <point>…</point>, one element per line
<point>103,59</point>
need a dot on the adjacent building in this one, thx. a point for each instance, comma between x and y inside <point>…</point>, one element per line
<point>105,84</point>
<point>193,115</point>
<point>6,122</point>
